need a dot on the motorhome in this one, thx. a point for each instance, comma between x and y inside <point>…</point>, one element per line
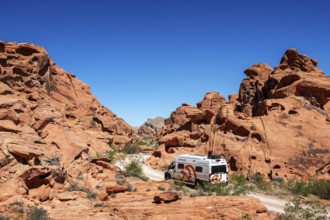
<point>193,168</point>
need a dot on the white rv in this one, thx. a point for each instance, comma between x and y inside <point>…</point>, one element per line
<point>193,168</point>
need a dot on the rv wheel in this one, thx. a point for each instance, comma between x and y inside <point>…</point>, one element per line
<point>167,176</point>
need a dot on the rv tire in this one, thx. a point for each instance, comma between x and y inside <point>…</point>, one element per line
<point>167,176</point>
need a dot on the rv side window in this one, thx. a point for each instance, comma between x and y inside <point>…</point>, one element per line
<point>199,169</point>
<point>181,166</point>
<point>219,169</point>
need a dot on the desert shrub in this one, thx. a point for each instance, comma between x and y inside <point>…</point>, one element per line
<point>161,188</point>
<point>259,181</point>
<point>4,217</point>
<point>239,185</point>
<point>113,156</point>
<point>77,187</point>
<point>110,155</point>
<point>131,148</point>
<point>74,187</point>
<point>180,187</point>
<point>199,192</point>
<point>18,207</point>
<point>91,194</point>
<point>150,141</point>
<point>36,213</point>
<point>320,188</point>
<point>206,188</point>
<point>297,210</point>
<point>134,168</point>
<point>217,189</point>
<point>299,187</point>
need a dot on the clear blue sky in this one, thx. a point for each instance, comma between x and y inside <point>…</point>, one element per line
<point>144,58</point>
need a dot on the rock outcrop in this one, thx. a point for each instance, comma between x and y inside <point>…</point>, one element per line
<point>277,125</point>
<point>151,126</point>
<point>50,124</point>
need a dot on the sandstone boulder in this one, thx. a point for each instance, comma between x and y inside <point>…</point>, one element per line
<point>116,189</point>
<point>67,196</point>
<point>166,197</point>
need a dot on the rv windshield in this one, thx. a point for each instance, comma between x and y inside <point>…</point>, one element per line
<point>219,169</point>
<point>172,165</point>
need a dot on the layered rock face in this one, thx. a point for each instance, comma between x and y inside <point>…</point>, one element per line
<point>49,123</point>
<point>277,125</point>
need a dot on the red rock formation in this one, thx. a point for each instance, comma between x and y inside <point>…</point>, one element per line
<point>49,123</point>
<point>278,125</point>
<point>151,126</point>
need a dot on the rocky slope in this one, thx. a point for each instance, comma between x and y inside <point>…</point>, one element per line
<point>277,125</point>
<point>151,126</point>
<point>49,122</point>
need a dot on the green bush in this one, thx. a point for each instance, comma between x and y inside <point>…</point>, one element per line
<point>18,207</point>
<point>239,184</point>
<point>131,148</point>
<point>218,189</point>
<point>259,181</point>
<point>236,187</point>
<point>4,217</point>
<point>134,168</point>
<point>150,141</point>
<point>320,188</point>
<point>297,210</point>
<point>110,155</point>
<point>36,213</point>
